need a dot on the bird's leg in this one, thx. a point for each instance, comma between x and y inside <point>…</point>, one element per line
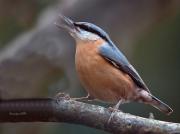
<point>114,109</point>
<point>151,116</point>
<point>86,98</point>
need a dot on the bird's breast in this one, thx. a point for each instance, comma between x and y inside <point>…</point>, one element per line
<point>101,80</point>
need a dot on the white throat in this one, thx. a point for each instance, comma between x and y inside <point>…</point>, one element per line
<point>84,35</point>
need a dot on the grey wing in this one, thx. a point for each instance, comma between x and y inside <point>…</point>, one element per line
<point>114,55</point>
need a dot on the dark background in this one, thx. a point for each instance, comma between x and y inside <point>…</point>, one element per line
<point>37,58</point>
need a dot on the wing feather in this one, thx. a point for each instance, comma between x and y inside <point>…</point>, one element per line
<point>115,56</point>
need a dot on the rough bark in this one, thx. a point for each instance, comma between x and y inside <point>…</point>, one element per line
<point>67,110</point>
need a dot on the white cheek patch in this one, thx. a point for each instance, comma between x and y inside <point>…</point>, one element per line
<point>84,35</point>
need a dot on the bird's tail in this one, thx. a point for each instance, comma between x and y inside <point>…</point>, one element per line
<point>148,98</point>
<point>160,105</point>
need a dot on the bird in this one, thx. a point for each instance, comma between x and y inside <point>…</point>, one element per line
<point>103,70</point>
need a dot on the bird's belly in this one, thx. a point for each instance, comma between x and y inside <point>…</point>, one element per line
<point>102,80</point>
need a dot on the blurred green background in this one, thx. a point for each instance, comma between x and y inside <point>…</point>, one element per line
<point>37,59</point>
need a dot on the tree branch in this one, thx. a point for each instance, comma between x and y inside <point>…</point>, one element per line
<point>70,111</point>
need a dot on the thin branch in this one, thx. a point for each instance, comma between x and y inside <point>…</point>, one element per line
<point>70,111</point>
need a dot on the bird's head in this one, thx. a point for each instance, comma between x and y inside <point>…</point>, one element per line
<point>82,31</point>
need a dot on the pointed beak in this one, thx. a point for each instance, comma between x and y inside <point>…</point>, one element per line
<point>66,23</point>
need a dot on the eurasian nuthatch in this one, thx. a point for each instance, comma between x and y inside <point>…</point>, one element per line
<point>103,70</point>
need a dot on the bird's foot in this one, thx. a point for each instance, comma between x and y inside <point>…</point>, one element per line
<point>59,96</point>
<point>113,110</point>
<point>86,98</point>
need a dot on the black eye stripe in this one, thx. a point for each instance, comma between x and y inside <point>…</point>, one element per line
<point>92,29</point>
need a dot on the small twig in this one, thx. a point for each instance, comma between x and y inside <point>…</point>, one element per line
<point>63,109</point>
